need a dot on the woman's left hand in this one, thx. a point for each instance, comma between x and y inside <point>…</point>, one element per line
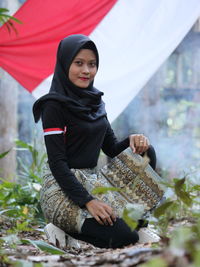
<point>138,143</point>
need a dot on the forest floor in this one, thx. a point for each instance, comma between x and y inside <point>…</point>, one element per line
<point>16,253</point>
<point>86,255</point>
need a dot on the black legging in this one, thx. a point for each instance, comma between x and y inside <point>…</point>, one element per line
<point>106,236</point>
<point>116,236</point>
<point>152,156</point>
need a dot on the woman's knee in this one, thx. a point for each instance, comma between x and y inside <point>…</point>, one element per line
<point>151,154</point>
<point>123,236</point>
<point>116,236</point>
<point>125,240</point>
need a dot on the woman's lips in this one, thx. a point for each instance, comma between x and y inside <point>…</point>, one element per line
<point>84,78</point>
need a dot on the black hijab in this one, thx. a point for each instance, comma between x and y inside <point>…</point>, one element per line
<point>85,103</point>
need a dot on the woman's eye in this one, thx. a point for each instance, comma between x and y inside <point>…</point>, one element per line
<point>93,64</point>
<point>78,62</point>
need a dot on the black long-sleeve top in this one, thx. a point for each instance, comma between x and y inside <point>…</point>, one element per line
<point>74,143</point>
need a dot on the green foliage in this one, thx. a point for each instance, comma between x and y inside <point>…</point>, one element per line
<point>181,205</point>
<point>2,155</point>
<point>4,259</point>
<point>180,190</point>
<point>9,241</point>
<point>19,200</point>
<point>131,222</point>
<point>31,170</point>
<point>44,246</point>
<point>19,203</point>
<point>8,20</point>
<point>132,213</point>
<point>162,209</point>
<point>186,241</point>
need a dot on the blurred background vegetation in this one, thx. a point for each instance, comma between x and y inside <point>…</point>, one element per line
<point>167,109</point>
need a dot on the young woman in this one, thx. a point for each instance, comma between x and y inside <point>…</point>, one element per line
<point>76,129</point>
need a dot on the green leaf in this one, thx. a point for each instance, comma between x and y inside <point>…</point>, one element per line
<point>23,144</point>
<point>132,213</point>
<point>185,197</point>
<point>104,190</point>
<point>161,209</point>
<point>4,154</point>
<point>6,184</point>
<point>181,193</point>
<point>15,19</point>
<point>43,158</point>
<point>44,246</point>
<point>6,16</point>
<point>3,10</point>
<point>3,211</point>
<point>179,184</point>
<point>129,221</point>
<point>196,188</point>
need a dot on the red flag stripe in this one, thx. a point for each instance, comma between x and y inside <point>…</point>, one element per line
<point>29,56</point>
<point>52,129</point>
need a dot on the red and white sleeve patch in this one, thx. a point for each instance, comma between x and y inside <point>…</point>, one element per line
<point>50,131</point>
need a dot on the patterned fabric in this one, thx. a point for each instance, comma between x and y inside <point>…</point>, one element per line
<point>138,182</point>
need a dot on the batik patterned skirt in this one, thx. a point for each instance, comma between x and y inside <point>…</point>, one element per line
<point>131,173</point>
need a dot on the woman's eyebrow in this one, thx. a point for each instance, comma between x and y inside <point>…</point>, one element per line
<point>79,58</point>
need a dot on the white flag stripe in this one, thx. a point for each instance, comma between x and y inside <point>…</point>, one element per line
<point>53,132</point>
<point>43,87</point>
<point>133,40</point>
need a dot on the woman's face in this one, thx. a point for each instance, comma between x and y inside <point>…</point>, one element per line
<point>83,68</point>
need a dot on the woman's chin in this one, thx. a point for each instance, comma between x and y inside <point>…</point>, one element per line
<point>82,85</point>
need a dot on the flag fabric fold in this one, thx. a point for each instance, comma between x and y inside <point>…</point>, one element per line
<point>134,37</point>
<point>30,55</point>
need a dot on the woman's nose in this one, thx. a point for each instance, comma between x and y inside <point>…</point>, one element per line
<point>86,69</point>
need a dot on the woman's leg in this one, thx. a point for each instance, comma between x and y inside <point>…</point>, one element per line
<point>119,234</point>
<point>104,236</point>
<point>152,156</point>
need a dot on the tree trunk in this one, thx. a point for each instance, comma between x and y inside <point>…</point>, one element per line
<point>8,111</point>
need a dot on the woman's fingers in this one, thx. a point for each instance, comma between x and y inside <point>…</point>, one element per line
<point>102,212</point>
<point>106,218</point>
<point>139,143</point>
<point>98,220</point>
<point>105,214</point>
<point>113,217</point>
<point>112,214</point>
<point>142,144</point>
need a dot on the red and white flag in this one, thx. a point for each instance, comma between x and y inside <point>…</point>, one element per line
<point>133,37</point>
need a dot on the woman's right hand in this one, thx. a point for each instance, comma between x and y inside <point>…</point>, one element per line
<point>102,212</point>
